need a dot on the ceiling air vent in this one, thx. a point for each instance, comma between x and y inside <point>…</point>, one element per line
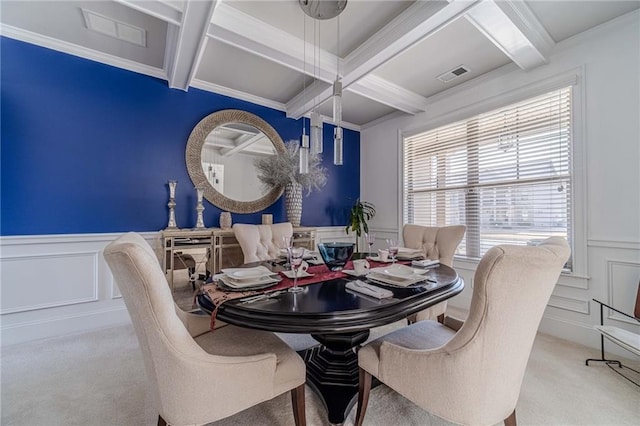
<point>113,28</point>
<point>453,74</point>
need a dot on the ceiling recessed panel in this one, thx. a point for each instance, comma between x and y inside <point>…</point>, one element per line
<point>357,109</point>
<point>459,43</point>
<point>236,69</point>
<point>563,19</point>
<point>359,21</point>
<point>64,20</point>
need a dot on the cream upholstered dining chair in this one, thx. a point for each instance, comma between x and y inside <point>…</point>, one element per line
<point>261,242</point>
<point>472,376</point>
<point>436,243</point>
<point>198,376</point>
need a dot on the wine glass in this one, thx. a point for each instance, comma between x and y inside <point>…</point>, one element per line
<point>370,239</point>
<point>295,258</point>
<point>393,249</point>
<point>286,244</point>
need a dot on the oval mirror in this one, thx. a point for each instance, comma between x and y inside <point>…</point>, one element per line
<point>220,154</point>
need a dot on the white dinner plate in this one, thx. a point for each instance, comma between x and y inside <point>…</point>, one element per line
<point>242,284</point>
<point>247,273</point>
<point>394,281</point>
<point>399,271</point>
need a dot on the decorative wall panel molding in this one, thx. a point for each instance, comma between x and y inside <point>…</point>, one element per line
<point>617,244</point>
<point>569,304</point>
<point>60,279</point>
<point>622,285</point>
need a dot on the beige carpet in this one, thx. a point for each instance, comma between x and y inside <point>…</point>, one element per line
<point>98,379</point>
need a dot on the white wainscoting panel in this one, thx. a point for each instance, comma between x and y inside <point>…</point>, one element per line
<point>54,285</point>
<point>623,279</point>
<point>50,280</point>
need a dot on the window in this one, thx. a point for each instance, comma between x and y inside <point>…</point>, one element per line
<point>505,174</point>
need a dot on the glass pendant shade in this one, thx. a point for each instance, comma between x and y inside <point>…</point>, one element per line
<point>316,133</point>
<point>337,146</point>
<point>337,102</point>
<point>304,155</point>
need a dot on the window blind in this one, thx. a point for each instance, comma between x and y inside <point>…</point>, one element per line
<point>505,174</point>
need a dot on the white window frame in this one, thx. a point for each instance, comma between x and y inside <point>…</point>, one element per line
<point>573,78</point>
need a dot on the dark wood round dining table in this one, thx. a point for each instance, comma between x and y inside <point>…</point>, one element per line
<point>340,320</point>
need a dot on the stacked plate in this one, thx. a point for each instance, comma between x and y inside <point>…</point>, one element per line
<point>409,254</point>
<point>397,275</point>
<point>245,279</point>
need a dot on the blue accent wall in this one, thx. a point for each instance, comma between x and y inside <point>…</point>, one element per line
<point>88,148</point>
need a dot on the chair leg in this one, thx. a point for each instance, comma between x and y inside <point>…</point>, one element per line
<point>441,318</point>
<point>511,420</point>
<point>411,319</point>
<point>297,400</point>
<point>363,396</point>
<point>161,421</point>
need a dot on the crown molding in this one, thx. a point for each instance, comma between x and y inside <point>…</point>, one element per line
<point>79,51</point>
<point>237,94</point>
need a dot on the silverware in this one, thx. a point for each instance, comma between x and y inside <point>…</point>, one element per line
<point>263,296</point>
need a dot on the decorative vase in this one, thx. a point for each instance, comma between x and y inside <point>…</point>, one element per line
<point>293,202</point>
<point>225,220</point>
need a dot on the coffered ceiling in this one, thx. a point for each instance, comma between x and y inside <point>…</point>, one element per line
<point>389,53</point>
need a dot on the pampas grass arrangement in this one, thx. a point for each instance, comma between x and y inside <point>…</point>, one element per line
<point>279,170</point>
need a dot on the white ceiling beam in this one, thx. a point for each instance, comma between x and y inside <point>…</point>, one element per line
<point>515,30</point>
<point>252,35</point>
<point>414,24</point>
<point>165,11</point>
<point>184,48</point>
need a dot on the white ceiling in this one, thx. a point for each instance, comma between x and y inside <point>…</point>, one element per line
<point>391,52</point>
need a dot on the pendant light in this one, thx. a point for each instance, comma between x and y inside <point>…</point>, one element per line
<point>337,109</point>
<point>304,140</point>
<point>320,10</point>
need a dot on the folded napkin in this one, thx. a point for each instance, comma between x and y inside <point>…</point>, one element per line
<point>425,262</point>
<point>369,290</point>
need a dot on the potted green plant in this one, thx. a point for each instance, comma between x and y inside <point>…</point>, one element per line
<point>361,212</point>
<point>284,171</point>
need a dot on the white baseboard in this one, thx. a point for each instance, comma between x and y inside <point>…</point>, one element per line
<point>54,327</point>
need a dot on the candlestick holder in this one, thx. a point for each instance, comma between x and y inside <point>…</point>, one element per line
<point>172,205</point>
<point>199,208</point>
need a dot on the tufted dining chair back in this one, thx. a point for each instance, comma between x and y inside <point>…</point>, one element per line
<point>436,243</point>
<point>261,242</point>
<point>474,375</point>
<point>198,376</point>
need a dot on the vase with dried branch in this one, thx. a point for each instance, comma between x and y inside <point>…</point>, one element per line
<point>284,171</point>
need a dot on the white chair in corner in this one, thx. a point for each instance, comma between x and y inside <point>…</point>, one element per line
<point>436,242</point>
<point>261,242</point>
<point>198,376</point>
<point>472,376</point>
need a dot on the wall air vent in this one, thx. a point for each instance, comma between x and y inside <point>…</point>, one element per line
<point>453,74</point>
<point>107,26</point>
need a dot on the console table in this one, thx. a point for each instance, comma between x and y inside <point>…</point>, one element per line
<point>223,250</point>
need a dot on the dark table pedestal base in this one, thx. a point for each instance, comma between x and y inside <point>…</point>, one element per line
<point>332,371</point>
